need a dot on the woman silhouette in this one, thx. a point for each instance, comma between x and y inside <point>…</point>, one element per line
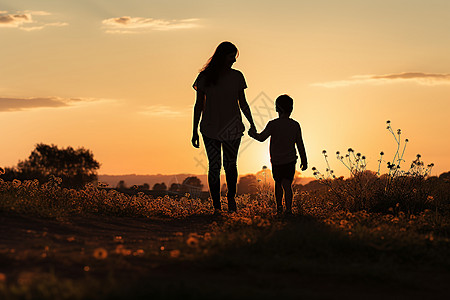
<point>220,98</point>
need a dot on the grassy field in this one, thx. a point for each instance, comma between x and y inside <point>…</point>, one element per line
<point>57,243</point>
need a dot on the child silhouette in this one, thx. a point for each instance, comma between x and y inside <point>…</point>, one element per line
<point>284,134</point>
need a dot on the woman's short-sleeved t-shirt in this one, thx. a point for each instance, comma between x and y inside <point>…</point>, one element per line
<point>221,118</point>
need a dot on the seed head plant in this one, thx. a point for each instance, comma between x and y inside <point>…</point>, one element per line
<point>370,190</point>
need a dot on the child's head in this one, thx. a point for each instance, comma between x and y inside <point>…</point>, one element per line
<point>284,104</point>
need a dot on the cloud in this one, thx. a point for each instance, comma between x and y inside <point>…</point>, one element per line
<point>163,111</point>
<point>14,20</point>
<point>25,21</point>
<point>56,24</point>
<point>415,77</point>
<point>38,12</point>
<point>128,24</point>
<point>19,104</point>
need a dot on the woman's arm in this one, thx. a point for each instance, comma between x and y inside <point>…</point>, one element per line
<point>246,109</point>
<point>198,109</point>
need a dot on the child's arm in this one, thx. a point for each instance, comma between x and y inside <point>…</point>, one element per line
<point>260,136</point>
<point>301,150</point>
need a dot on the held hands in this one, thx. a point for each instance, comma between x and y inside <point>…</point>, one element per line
<point>195,140</point>
<point>252,131</point>
<point>304,166</point>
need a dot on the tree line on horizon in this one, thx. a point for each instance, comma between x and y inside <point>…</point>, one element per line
<point>77,167</point>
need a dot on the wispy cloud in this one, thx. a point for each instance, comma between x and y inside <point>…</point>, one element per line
<point>129,24</point>
<point>19,104</point>
<point>416,77</point>
<point>14,20</point>
<point>164,111</point>
<point>25,20</point>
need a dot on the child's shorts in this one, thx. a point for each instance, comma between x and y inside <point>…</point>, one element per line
<point>285,171</point>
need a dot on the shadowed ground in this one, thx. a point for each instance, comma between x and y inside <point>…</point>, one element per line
<point>112,257</point>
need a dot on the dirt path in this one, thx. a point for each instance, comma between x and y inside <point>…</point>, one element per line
<point>137,251</point>
<point>36,245</point>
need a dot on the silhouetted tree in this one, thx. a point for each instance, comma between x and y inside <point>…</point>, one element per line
<point>175,187</point>
<point>224,190</point>
<point>445,176</point>
<point>75,167</point>
<point>191,185</point>
<point>121,184</point>
<point>247,184</point>
<point>159,187</point>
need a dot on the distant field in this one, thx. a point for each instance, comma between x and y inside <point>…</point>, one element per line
<point>93,244</point>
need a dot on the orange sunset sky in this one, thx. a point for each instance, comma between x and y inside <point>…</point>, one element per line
<point>115,77</point>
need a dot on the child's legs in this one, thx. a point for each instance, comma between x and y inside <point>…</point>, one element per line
<point>279,194</point>
<point>213,151</point>
<point>284,176</point>
<point>287,187</point>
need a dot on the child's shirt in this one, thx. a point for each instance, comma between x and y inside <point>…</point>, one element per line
<point>283,133</point>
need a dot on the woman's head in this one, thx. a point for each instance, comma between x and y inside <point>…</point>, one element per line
<point>222,59</point>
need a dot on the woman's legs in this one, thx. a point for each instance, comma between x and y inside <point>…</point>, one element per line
<point>213,151</point>
<point>230,152</point>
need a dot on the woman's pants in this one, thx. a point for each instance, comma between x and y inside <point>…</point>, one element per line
<point>230,150</point>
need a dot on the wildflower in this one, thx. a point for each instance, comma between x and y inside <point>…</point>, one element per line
<point>120,249</point>
<point>350,150</point>
<point>358,154</point>
<point>406,140</point>
<point>363,157</point>
<point>100,253</point>
<point>381,153</point>
<point>26,278</point>
<point>138,252</point>
<point>175,253</point>
<point>388,122</point>
<point>399,131</point>
<point>324,151</point>
<point>313,168</point>
<point>337,153</point>
<point>192,241</point>
<point>16,183</point>
<point>419,156</point>
<point>86,268</point>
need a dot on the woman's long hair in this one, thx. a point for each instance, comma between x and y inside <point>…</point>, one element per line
<point>216,63</point>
